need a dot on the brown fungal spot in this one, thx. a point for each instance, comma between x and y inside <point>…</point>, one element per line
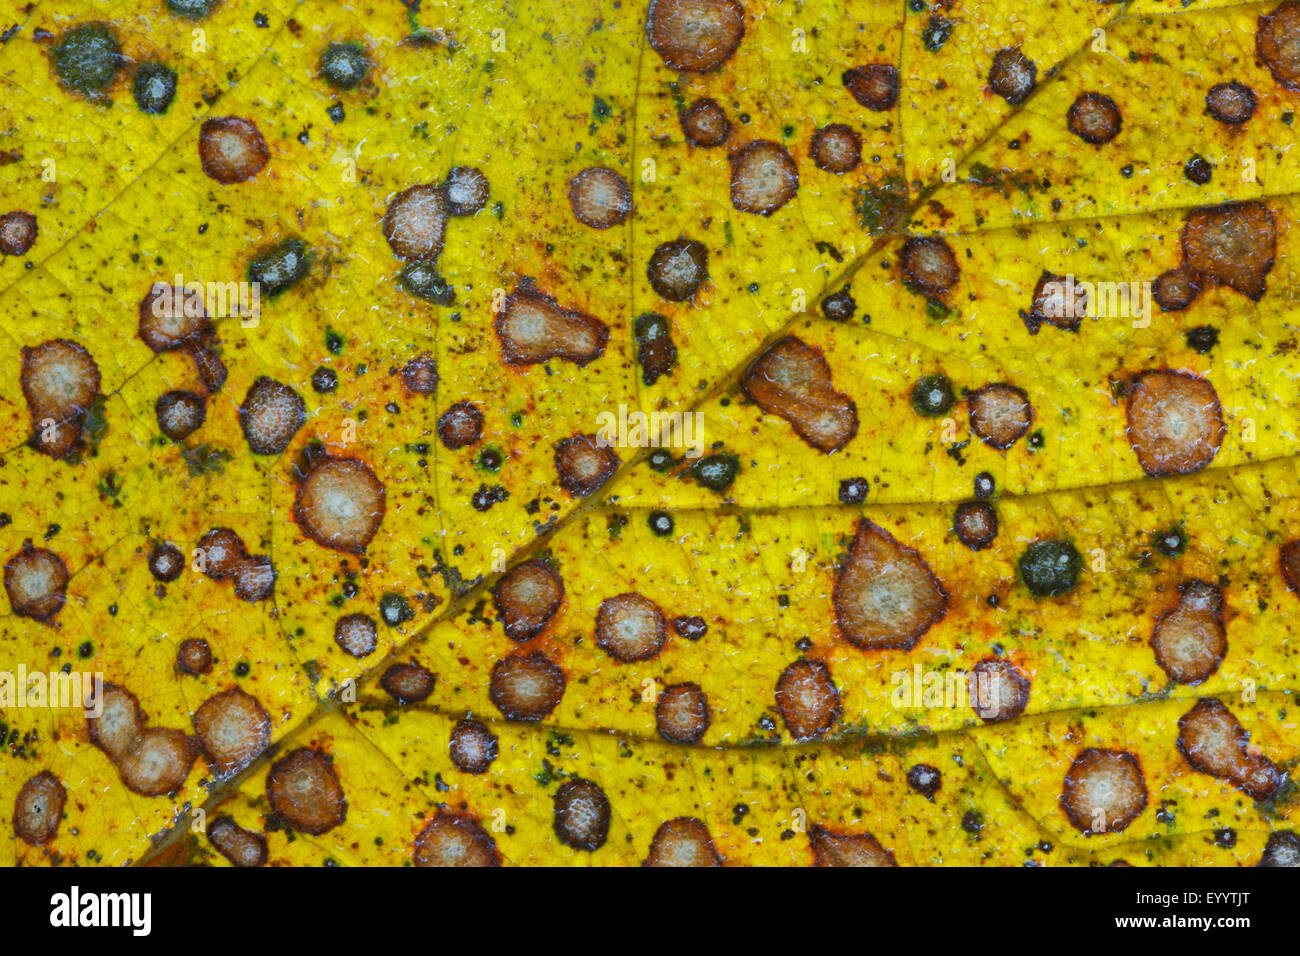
<point>420,374</point>
<point>233,728</point>
<point>807,699</point>
<point>691,628</point>
<point>999,691</point>
<point>600,197</point>
<point>1176,289</point>
<point>180,413</point>
<point>1277,41</point>
<point>763,177</point>
<point>194,656</point>
<point>1094,118</point>
<point>885,594</point>
<point>271,415</point>
<point>705,123</point>
<point>304,789</point>
<point>1282,849</point>
<point>1058,301</point>
<point>793,380</point>
<point>231,149</point>
<point>172,317</point>
<point>467,191</point>
<point>241,847</point>
<point>695,36</point>
<point>451,839</point>
<point>836,148</point>
<point>36,581</point>
<point>533,328</point>
<point>17,233</point>
<point>340,504</point>
<point>460,426</point>
<point>527,597</point>
<point>678,268</point>
<point>158,763</point>
<point>526,687</point>
<point>1175,422</point>
<point>656,352</point>
<point>1000,414</point>
<point>119,724</point>
<point>221,552</point>
<point>1213,741</point>
<point>874,85</point>
<point>1104,791</point>
<point>681,842</point>
<point>211,370</point>
<point>407,683</point>
<point>1234,245</point>
<point>356,634</point>
<point>847,849</point>
<point>928,266</point>
<point>38,808</point>
<point>1189,639</point>
<point>581,814</point>
<point>255,579</point>
<point>584,463</point>
<point>975,524</point>
<point>1288,559</point>
<point>166,561</point>
<point>473,747</point>
<point>1231,103</point>
<point>630,627</point>
<point>682,714</point>
<point>1012,75</point>
<point>415,224</point>
<point>60,382</point>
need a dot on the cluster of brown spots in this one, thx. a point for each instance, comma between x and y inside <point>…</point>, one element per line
<point>656,352</point>
<point>451,839</point>
<point>678,268</point>
<point>173,318</point>
<point>460,426</point>
<point>420,374</point>
<point>60,382</point>
<point>38,808</point>
<point>928,265</point>
<point>1233,245</point>
<point>836,148</point>
<point>682,842</point>
<point>1212,740</point>
<point>807,699</point>
<point>304,790</point>
<point>17,232</point>
<point>885,594</point>
<point>1282,849</point>
<point>600,197</point>
<point>847,849</point>
<point>999,691</point>
<point>194,657</point>
<point>1012,75</point>
<point>356,634</point>
<point>630,627</point>
<point>874,85</point>
<point>763,177</point>
<point>180,413</point>
<point>705,123</point>
<point>36,581</point>
<point>584,463</point>
<point>1175,422</point>
<point>581,814</point>
<point>1231,103</point>
<point>692,628</point>
<point>526,687</point>
<point>151,761</point>
<point>534,328</point>
<point>1000,414</point>
<point>233,728</point>
<point>407,682</point>
<point>1104,791</point>
<point>1189,639</point>
<point>222,556</point>
<point>1095,118</point>
<point>1277,41</point>
<point>791,379</point>
<point>241,847</point>
<point>415,223</point>
<point>231,149</point>
<point>272,413</point>
<point>1057,301</point>
<point>976,524</point>
<point>467,190</point>
<point>1176,289</point>
<point>682,714</point>
<point>340,504</point>
<point>695,36</point>
<point>527,597</point>
<point>473,747</point>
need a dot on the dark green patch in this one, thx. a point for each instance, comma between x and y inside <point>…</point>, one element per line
<point>1051,568</point>
<point>717,471</point>
<point>87,57</point>
<point>154,88</point>
<point>344,66</point>
<point>423,280</point>
<point>280,267</point>
<point>932,396</point>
